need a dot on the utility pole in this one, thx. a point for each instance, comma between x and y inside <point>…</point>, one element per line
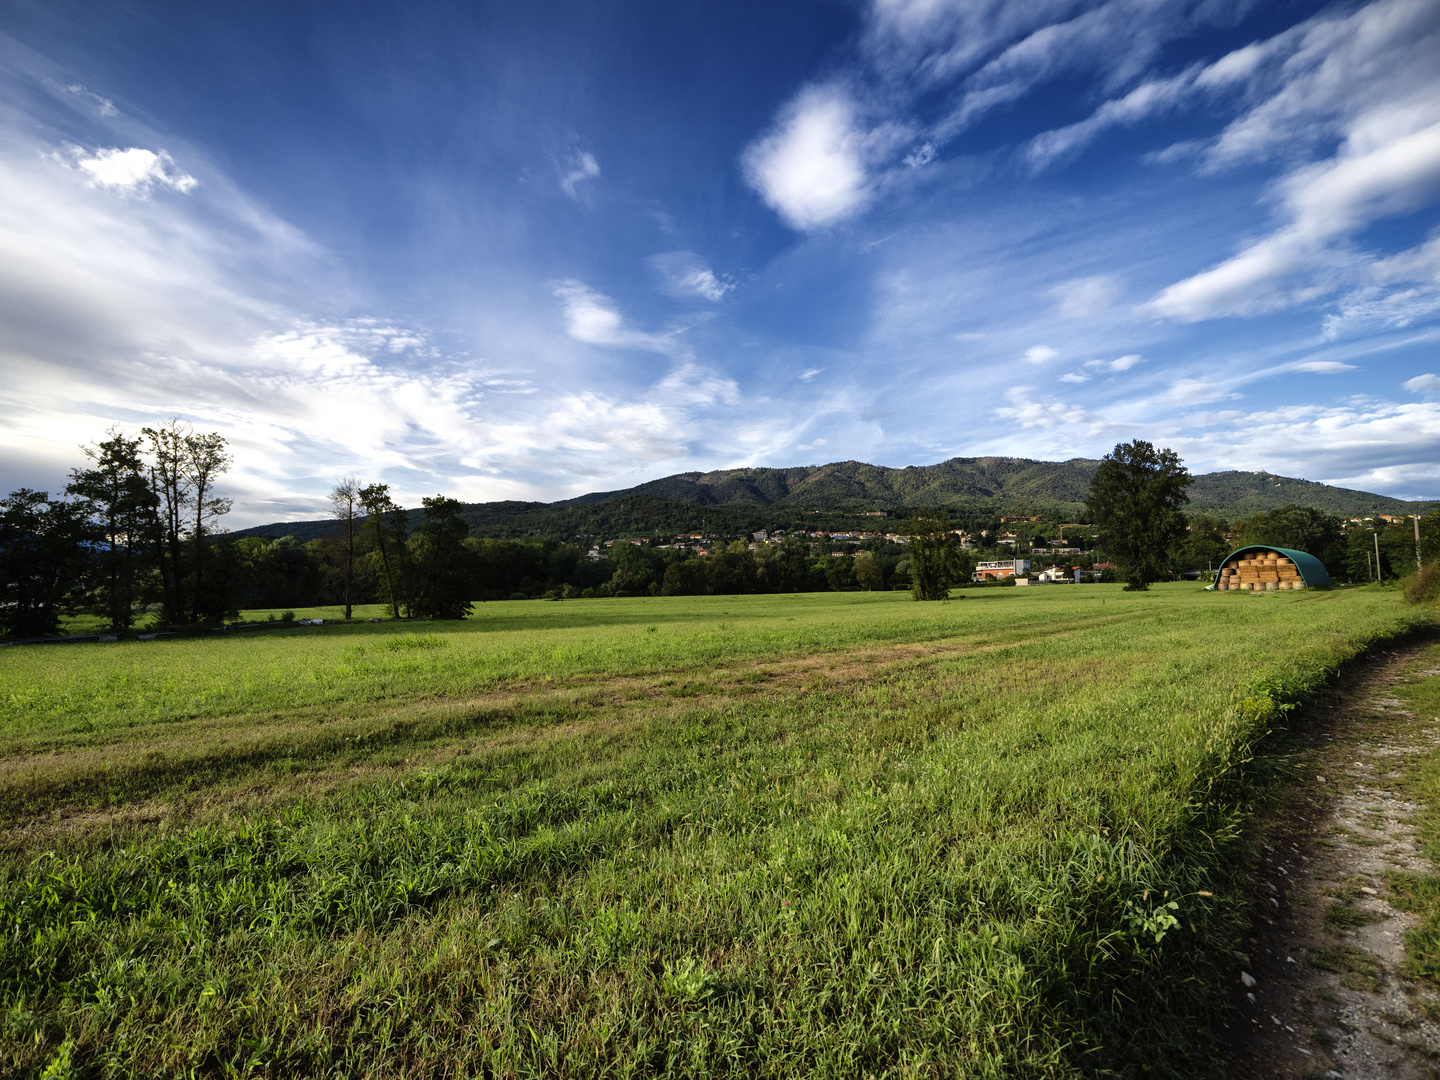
<point>1378,577</point>
<point>1417,540</point>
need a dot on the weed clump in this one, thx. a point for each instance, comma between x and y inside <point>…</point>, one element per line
<point>1423,586</point>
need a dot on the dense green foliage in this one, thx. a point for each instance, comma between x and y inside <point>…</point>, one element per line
<point>42,557</point>
<point>828,834</point>
<point>1135,499</point>
<point>935,562</point>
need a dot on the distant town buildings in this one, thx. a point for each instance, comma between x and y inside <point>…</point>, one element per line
<point>1000,569</point>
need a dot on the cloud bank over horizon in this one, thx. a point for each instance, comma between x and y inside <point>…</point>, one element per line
<point>924,229</point>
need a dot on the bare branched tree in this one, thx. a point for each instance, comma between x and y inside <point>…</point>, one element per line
<point>346,509</point>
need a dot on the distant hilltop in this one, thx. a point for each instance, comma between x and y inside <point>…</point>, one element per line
<point>1015,484</point>
<point>738,500</point>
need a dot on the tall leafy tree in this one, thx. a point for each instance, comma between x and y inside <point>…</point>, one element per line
<point>184,467</point>
<point>117,488</point>
<point>346,509</point>
<point>381,517</point>
<point>731,570</point>
<point>934,552</point>
<point>44,553</point>
<point>169,480</point>
<point>787,566</point>
<point>205,458</point>
<point>1135,500</point>
<point>1203,545</point>
<point>868,572</point>
<point>684,577</point>
<point>442,576</point>
<point>1430,536</point>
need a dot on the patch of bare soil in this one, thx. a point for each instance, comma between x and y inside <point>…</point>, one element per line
<point>1320,990</point>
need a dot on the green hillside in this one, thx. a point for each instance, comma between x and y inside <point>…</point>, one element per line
<point>733,501</point>
<point>1009,485</point>
<point>856,485</point>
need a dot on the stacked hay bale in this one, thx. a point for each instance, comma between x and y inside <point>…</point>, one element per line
<point>1260,571</point>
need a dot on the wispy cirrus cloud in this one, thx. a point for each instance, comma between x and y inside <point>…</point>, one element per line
<point>840,142</point>
<point>1121,363</point>
<point>685,275</point>
<point>580,167</point>
<point>1366,79</point>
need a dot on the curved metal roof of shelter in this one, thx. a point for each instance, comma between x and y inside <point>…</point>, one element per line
<point>1312,570</point>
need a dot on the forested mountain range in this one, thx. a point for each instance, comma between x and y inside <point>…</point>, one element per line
<point>837,495</point>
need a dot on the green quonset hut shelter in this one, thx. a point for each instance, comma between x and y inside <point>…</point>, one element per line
<point>1309,569</point>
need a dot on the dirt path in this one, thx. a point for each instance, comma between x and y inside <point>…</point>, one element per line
<point>1320,990</point>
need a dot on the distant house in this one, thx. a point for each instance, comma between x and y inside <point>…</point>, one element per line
<point>1000,569</point>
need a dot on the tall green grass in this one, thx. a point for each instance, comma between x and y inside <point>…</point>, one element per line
<point>1012,856</point>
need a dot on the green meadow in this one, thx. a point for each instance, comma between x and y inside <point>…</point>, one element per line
<point>777,836</point>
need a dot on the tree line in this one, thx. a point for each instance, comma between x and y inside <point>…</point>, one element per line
<point>1137,499</point>
<point>136,535</point>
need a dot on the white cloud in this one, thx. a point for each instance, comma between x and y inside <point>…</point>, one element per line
<point>810,168</point>
<point>1322,367</point>
<point>134,171</point>
<point>593,318</point>
<point>1042,414</point>
<point>1427,385</point>
<point>809,373</point>
<point>1040,354</point>
<point>1123,363</point>
<point>1402,289</point>
<point>582,166</point>
<point>1370,445</point>
<point>1073,377</point>
<point>1327,202</point>
<point>685,275</point>
<point>1368,81</point>
<point>1139,104</point>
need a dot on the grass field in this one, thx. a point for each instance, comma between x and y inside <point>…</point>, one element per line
<point>819,834</point>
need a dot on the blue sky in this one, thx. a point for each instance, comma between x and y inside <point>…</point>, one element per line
<point>533,250</point>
